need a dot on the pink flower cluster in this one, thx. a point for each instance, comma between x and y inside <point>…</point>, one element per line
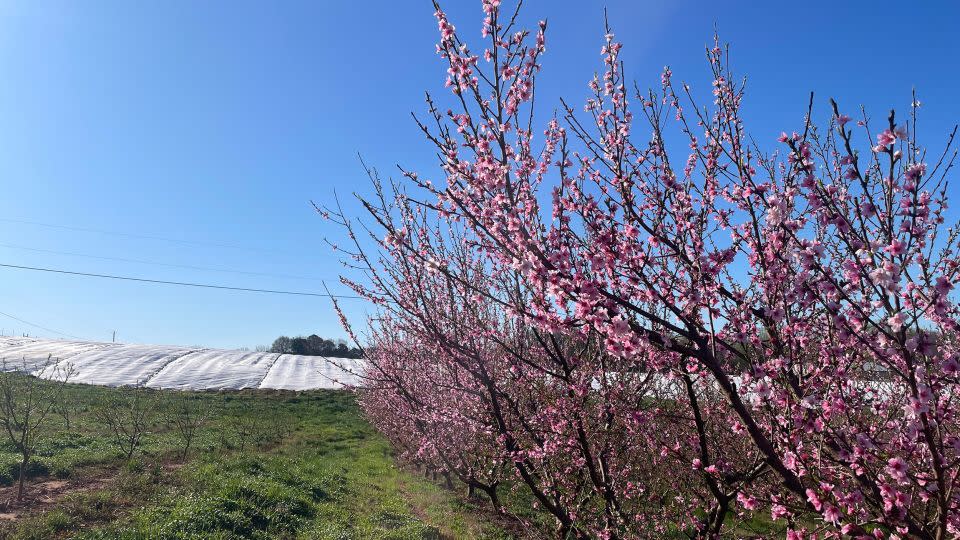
<point>667,332</point>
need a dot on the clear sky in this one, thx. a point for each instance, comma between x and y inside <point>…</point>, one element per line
<point>215,123</point>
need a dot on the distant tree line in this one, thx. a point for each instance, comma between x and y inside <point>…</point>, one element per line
<point>314,345</point>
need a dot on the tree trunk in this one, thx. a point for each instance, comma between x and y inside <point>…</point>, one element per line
<point>491,492</point>
<point>23,476</point>
<point>448,480</point>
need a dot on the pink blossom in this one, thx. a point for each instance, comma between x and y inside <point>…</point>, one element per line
<point>831,514</point>
<point>896,248</point>
<point>884,139</point>
<point>748,502</point>
<point>897,468</point>
<point>896,321</point>
<point>951,366</point>
<point>915,171</point>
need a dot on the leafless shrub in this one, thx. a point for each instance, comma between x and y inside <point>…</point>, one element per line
<point>25,404</point>
<point>187,414</point>
<point>127,415</point>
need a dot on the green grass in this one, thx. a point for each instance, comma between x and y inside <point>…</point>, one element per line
<point>267,465</point>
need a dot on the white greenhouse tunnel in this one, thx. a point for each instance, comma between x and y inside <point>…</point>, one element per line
<point>181,368</point>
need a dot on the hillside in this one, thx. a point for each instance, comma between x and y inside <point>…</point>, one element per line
<point>181,368</point>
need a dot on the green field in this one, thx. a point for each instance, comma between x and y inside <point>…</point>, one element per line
<point>265,464</point>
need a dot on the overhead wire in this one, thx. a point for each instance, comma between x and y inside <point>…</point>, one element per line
<point>178,283</point>
<point>155,263</point>
<point>39,326</point>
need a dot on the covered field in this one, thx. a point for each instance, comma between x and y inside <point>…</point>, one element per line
<point>180,368</point>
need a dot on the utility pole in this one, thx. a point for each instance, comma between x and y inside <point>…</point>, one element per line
<point>114,336</point>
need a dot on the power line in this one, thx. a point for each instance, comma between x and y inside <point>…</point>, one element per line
<point>145,236</point>
<point>180,283</point>
<point>41,327</point>
<point>170,265</point>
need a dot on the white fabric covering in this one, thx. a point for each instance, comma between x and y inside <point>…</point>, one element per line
<point>183,368</point>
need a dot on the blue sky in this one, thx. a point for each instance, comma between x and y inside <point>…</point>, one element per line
<point>218,122</point>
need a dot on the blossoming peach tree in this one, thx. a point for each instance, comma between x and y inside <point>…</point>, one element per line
<point>653,326</point>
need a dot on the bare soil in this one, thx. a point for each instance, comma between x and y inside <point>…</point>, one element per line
<point>40,494</point>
